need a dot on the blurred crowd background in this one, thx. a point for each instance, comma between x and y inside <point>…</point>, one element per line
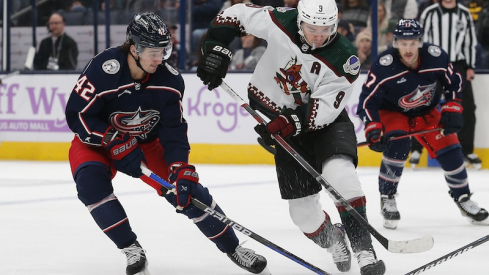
<point>355,24</point>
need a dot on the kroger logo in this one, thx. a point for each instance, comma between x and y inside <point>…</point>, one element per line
<point>216,106</point>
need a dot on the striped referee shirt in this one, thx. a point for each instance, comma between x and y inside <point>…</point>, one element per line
<point>451,29</point>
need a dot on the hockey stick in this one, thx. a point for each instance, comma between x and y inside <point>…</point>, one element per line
<point>412,246</point>
<point>10,75</point>
<point>404,136</point>
<point>236,226</point>
<point>449,256</point>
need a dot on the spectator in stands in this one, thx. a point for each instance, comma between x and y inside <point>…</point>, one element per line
<point>58,51</point>
<point>382,28</point>
<point>174,58</point>
<point>291,3</point>
<point>475,8</point>
<point>363,42</point>
<point>229,3</point>
<point>346,29</point>
<point>139,5</point>
<point>398,9</point>
<point>247,57</point>
<point>355,12</point>
<point>77,6</point>
<point>273,3</point>
<point>203,12</point>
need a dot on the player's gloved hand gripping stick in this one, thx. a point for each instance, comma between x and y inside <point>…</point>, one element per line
<point>405,136</point>
<point>160,183</point>
<point>411,246</point>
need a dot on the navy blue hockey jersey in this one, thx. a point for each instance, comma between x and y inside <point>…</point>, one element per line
<point>390,85</point>
<point>106,95</point>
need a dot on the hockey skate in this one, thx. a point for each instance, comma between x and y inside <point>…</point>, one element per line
<point>339,249</point>
<point>136,260</point>
<point>472,211</point>
<point>249,260</point>
<point>472,160</point>
<point>389,211</point>
<point>414,158</point>
<point>369,265</point>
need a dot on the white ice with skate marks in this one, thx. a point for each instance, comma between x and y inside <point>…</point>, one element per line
<point>45,230</point>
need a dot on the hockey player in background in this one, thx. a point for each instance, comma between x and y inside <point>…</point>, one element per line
<point>302,83</point>
<point>126,108</point>
<point>398,97</point>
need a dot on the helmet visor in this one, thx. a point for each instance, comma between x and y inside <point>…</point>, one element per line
<point>156,53</point>
<point>309,29</point>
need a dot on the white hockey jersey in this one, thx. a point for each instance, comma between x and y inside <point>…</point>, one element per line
<point>290,74</point>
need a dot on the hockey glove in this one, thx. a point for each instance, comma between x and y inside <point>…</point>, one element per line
<point>288,123</point>
<point>451,117</point>
<point>214,63</point>
<point>185,179</point>
<point>125,152</point>
<point>374,133</point>
<point>265,135</point>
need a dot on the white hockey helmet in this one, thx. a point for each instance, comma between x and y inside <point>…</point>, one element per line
<point>319,13</point>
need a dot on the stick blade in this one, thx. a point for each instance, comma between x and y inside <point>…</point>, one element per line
<point>418,245</point>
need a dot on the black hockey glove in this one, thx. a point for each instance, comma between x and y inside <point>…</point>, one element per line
<point>374,133</point>
<point>451,117</point>
<point>186,182</point>
<point>214,63</point>
<point>125,152</point>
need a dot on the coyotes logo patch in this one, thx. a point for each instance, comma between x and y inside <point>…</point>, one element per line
<point>290,80</point>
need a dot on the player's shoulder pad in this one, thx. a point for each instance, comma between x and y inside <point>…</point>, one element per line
<point>171,69</point>
<point>386,58</point>
<point>285,18</point>
<point>341,56</point>
<point>108,61</point>
<point>433,50</point>
<point>166,75</point>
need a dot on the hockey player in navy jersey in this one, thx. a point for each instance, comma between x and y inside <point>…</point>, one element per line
<point>398,97</point>
<point>302,83</point>
<point>125,109</point>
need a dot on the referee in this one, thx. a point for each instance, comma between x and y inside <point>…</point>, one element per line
<point>449,25</point>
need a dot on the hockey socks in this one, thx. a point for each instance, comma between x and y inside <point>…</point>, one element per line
<point>452,163</point>
<point>112,219</point>
<point>359,236</point>
<point>390,174</point>
<point>219,233</point>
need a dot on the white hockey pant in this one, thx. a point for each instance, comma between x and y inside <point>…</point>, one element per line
<point>340,173</point>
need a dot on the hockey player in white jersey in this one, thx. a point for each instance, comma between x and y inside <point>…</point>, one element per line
<point>302,84</point>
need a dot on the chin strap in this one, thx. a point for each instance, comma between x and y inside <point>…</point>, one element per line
<point>308,48</point>
<point>138,63</point>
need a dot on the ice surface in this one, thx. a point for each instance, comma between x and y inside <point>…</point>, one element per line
<point>46,230</point>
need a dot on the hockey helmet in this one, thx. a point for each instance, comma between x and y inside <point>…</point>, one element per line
<point>147,30</point>
<point>318,13</point>
<point>408,29</point>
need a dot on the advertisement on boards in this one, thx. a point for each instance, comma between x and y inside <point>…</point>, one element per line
<point>32,110</point>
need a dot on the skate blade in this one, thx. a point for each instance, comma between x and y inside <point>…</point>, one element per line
<point>477,166</point>
<point>145,271</point>
<point>390,224</point>
<point>265,271</point>
<point>483,222</point>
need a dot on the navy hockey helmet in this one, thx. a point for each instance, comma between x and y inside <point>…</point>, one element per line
<point>408,29</point>
<point>147,30</point>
